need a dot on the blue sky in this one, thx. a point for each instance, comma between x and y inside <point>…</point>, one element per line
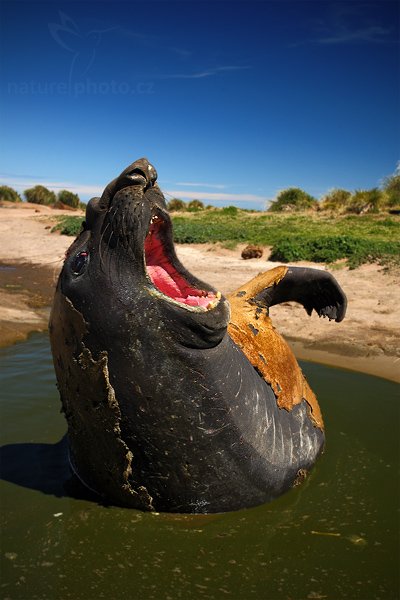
<point>231,101</point>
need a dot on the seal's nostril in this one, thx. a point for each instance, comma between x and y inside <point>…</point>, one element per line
<point>152,174</point>
<point>145,177</point>
<point>137,172</point>
<point>138,177</point>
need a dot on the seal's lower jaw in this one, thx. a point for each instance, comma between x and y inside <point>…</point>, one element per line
<point>168,282</point>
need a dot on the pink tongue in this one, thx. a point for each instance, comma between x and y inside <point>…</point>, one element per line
<point>165,283</point>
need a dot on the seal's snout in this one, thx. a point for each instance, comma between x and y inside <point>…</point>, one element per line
<point>141,172</point>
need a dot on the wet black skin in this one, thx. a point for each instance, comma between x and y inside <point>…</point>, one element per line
<point>203,426</point>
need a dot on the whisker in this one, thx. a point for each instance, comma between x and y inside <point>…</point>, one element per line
<point>100,243</point>
<point>108,250</point>
<point>112,214</point>
<point>111,217</point>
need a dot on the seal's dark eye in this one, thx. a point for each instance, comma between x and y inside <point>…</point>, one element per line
<point>79,262</point>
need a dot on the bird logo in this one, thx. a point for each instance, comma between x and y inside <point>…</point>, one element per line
<point>82,45</point>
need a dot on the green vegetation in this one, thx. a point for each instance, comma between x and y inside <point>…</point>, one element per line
<point>68,198</point>
<point>313,237</point>
<point>293,199</point>
<point>339,201</point>
<point>336,200</point>
<point>316,237</point>
<point>40,195</point>
<point>230,210</point>
<point>365,201</point>
<point>68,225</point>
<point>391,189</point>
<point>9,194</point>
<point>195,205</point>
<point>176,205</point>
<point>361,201</point>
<point>332,248</point>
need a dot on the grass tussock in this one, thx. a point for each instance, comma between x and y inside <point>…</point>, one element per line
<point>68,225</point>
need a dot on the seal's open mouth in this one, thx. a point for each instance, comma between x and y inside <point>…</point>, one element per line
<point>166,278</point>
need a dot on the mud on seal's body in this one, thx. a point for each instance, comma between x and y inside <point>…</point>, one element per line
<point>176,399</point>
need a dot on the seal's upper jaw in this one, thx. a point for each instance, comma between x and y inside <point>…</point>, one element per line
<point>169,279</point>
<point>141,174</point>
<point>136,220</point>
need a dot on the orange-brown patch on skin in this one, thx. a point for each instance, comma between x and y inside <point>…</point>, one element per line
<point>251,329</point>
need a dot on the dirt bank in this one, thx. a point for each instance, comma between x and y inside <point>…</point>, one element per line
<point>367,340</point>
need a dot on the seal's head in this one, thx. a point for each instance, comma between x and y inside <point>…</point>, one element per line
<point>124,263</point>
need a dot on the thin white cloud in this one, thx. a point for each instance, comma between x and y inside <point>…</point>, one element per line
<point>206,73</point>
<point>23,183</point>
<point>231,198</point>
<point>375,35</point>
<point>347,23</point>
<point>181,52</point>
<point>162,43</point>
<point>217,186</point>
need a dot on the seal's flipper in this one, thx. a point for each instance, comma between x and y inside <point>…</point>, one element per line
<point>314,289</point>
<point>252,331</point>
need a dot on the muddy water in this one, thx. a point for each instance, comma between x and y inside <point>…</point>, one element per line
<point>336,536</point>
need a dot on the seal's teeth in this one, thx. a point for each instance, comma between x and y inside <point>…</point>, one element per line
<point>218,295</point>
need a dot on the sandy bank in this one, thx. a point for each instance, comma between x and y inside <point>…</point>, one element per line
<point>367,340</point>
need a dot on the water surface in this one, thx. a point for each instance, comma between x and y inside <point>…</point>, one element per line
<point>336,536</point>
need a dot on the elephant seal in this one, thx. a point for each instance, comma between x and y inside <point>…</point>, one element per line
<point>177,398</point>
